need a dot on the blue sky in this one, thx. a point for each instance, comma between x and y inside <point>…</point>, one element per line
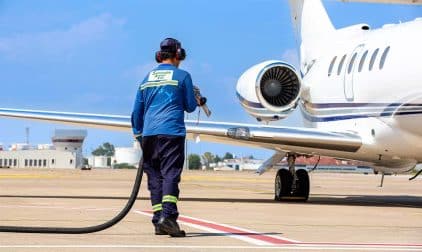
<point>88,56</point>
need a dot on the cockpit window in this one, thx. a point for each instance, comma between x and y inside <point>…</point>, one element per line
<point>373,57</point>
<point>340,65</point>
<point>384,56</point>
<point>362,60</point>
<point>330,69</point>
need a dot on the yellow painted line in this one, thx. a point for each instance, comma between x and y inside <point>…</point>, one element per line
<point>27,176</point>
<point>222,179</point>
<point>233,188</point>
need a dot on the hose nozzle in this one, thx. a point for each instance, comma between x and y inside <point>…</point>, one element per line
<point>202,101</point>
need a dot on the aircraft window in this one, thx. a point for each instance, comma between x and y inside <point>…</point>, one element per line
<point>352,61</point>
<point>373,57</point>
<point>362,60</point>
<point>340,65</point>
<point>330,69</point>
<point>384,56</point>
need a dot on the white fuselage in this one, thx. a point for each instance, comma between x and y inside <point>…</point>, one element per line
<point>382,103</point>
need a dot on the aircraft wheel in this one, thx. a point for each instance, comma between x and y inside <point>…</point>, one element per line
<point>282,185</point>
<point>302,191</point>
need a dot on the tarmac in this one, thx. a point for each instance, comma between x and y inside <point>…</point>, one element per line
<point>220,211</point>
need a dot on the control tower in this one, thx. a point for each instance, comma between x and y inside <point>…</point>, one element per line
<point>70,140</point>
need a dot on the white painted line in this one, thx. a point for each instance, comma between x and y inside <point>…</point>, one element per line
<point>280,238</point>
<point>256,238</point>
<point>249,236</point>
<point>213,231</point>
<point>178,247</point>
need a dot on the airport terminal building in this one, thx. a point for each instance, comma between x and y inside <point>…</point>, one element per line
<point>64,152</point>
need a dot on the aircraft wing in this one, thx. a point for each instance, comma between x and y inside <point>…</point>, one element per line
<point>282,139</point>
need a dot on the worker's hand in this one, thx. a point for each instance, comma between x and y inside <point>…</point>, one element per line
<point>199,98</point>
<point>196,90</point>
<point>202,101</point>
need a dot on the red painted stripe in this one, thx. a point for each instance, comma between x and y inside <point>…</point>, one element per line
<point>232,230</point>
<point>280,241</point>
<point>236,231</point>
<point>361,244</point>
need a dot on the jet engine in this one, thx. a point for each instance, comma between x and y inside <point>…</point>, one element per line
<point>269,91</point>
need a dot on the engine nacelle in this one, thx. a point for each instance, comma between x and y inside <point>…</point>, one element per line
<point>269,91</point>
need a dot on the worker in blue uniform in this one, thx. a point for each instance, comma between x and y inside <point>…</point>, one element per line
<point>158,124</point>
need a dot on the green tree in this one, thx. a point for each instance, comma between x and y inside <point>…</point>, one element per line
<point>228,155</point>
<point>106,149</point>
<point>124,166</point>
<point>217,159</point>
<point>208,158</point>
<point>194,162</point>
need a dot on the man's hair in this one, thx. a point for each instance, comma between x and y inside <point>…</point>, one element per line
<point>167,55</point>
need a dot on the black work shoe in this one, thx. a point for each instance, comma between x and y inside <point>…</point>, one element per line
<point>170,226</point>
<point>159,230</point>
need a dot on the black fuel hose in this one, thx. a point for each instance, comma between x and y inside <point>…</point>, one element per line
<point>84,230</point>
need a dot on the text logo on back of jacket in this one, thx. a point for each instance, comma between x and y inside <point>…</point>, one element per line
<point>160,75</point>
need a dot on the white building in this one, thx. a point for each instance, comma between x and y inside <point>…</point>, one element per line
<point>238,164</point>
<point>65,152</point>
<point>38,159</point>
<point>122,155</point>
<point>128,155</point>
<point>98,161</point>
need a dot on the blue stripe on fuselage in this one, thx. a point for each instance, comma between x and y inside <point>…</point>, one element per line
<point>314,118</point>
<point>385,113</point>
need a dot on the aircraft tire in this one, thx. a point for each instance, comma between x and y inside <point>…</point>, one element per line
<point>303,186</point>
<point>282,185</point>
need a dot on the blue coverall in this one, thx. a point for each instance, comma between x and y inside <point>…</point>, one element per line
<point>158,116</point>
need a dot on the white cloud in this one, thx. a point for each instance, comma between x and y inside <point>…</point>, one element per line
<point>59,41</point>
<point>291,56</point>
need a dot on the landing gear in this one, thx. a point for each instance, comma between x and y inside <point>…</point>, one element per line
<point>291,185</point>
